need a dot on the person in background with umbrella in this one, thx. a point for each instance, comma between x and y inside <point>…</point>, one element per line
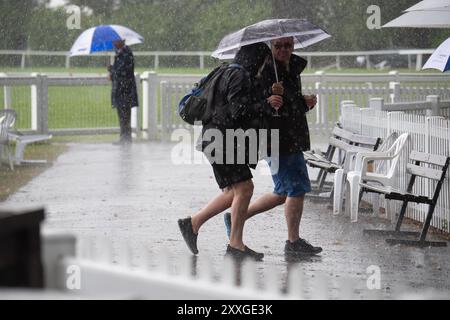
<point>291,180</point>
<point>235,88</point>
<point>124,90</point>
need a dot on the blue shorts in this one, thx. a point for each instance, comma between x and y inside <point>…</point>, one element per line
<point>291,179</point>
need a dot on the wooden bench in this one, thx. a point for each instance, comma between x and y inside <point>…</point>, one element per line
<point>342,141</point>
<point>424,167</point>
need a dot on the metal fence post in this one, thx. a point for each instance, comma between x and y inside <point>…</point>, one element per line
<point>145,103</point>
<point>202,61</point>
<point>42,114</point>
<point>395,91</point>
<point>150,105</point>
<point>165,111</point>
<point>376,104</point>
<point>419,62</point>
<point>35,101</point>
<point>156,61</point>
<point>435,106</point>
<point>321,101</point>
<point>7,97</point>
<point>39,104</point>
<point>153,105</point>
<point>136,112</point>
<point>68,62</point>
<point>22,62</point>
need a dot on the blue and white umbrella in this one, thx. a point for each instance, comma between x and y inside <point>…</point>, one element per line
<point>101,38</point>
<point>440,59</point>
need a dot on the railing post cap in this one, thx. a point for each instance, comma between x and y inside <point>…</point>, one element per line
<point>433,97</point>
<point>147,74</point>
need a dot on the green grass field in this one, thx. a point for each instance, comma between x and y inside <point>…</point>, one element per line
<point>90,107</point>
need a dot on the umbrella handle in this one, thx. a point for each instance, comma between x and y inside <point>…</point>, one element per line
<point>269,44</point>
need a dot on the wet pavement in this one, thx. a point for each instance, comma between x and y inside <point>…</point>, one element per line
<point>136,194</point>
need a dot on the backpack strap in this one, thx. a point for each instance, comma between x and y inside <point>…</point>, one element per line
<point>236,66</point>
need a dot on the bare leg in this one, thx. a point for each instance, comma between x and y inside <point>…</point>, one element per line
<point>293,213</point>
<point>265,203</point>
<point>219,204</point>
<point>243,193</point>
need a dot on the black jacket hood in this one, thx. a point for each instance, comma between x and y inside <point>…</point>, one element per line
<point>252,57</point>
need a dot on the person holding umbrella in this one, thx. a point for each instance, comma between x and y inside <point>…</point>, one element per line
<point>289,170</point>
<point>124,90</point>
<point>291,180</point>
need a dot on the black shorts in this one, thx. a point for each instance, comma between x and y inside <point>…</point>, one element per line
<point>229,174</point>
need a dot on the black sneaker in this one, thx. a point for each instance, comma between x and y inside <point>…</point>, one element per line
<point>301,247</point>
<point>241,255</point>
<point>188,234</point>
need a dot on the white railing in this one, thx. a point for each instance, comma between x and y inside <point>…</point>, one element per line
<point>330,89</point>
<point>71,100</point>
<point>427,134</point>
<point>94,268</point>
<point>419,53</point>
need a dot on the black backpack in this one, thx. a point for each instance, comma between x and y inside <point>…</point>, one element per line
<point>196,106</point>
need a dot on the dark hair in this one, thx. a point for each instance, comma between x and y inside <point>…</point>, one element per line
<point>252,57</point>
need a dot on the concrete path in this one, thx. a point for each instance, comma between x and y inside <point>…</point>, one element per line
<point>135,195</point>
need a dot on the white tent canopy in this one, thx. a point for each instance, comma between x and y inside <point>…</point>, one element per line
<point>421,19</point>
<point>431,5</point>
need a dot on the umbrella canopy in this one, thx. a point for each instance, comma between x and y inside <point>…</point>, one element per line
<point>101,38</point>
<point>431,5</point>
<point>421,19</point>
<point>440,58</point>
<point>425,14</point>
<point>304,33</point>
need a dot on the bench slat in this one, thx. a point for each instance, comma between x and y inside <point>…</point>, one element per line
<point>428,158</point>
<point>424,172</point>
<point>391,193</point>
<point>365,140</point>
<point>354,138</point>
<point>328,166</point>
<point>347,147</point>
<point>342,133</point>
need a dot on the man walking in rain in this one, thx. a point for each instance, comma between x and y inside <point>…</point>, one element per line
<point>124,90</point>
<point>291,179</point>
<point>235,108</point>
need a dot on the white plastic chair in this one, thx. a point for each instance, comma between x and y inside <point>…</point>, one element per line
<point>340,175</point>
<point>361,173</point>
<point>21,140</point>
<point>7,118</point>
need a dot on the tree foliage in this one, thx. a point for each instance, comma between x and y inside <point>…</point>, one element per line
<point>197,25</point>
